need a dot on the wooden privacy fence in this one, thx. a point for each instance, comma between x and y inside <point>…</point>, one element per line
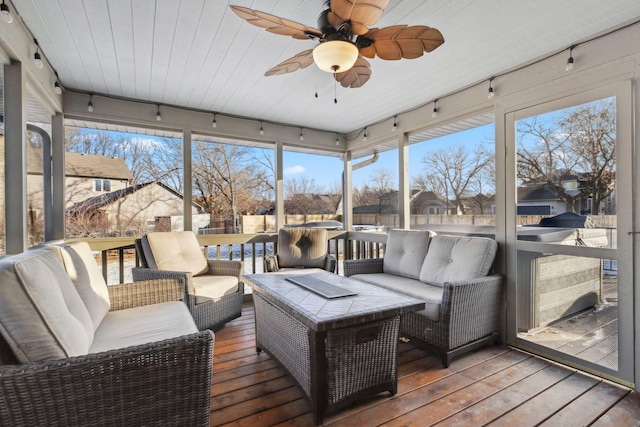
<point>267,223</point>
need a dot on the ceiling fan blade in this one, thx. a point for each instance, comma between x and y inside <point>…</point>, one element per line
<point>298,62</point>
<point>361,13</point>
<point>401,41</point>
<point>275,24</point>
<point>357,76</point>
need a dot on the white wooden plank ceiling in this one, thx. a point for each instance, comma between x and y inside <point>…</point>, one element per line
<point>199,54</point>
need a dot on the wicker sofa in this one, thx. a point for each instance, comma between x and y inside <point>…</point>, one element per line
<point>76,352</point>
<point>451,274</point>
<point>214,288</point>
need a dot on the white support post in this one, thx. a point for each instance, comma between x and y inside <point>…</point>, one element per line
<point>347,192</point>
<point>404,200</point>
<point>187,180</point>
<point>15,158</point>
<point>279,185</point>
<point>58,178</point>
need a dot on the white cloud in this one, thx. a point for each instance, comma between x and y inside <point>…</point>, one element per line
<point>293,170</point>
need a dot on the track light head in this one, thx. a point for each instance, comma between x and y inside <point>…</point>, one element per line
<point>490,92</point>
<point>37,59</point>
<point>158,116</point>
<point>214,124</point>
<point>434,114</point>
<point>395,123</point>
<point>90,104</point>
<point>301,135</point>
<point>57,88</point>
<point>569,66</point>
<point>261,129</point>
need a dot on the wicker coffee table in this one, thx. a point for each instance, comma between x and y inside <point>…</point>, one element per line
<point>336,349</point>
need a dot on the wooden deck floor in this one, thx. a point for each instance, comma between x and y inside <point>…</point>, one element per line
<point>492,386</point>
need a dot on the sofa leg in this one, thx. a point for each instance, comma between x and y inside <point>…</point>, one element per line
<point>446,359</point>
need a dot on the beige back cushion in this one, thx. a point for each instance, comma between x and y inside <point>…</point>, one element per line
<point>85,274</point>
<point>453,258</point>
<point>175,251</point>
<point>405,252</point>
<point>42,316</point>
<point>302,247</point>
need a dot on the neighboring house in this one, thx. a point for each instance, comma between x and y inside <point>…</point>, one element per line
<point>428,203</point>
<point>539,200</point>
<point>421,202</point>
<point>139,207</point>
<point>87,175</point>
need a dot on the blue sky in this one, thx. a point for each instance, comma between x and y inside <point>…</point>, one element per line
<point>328,170</point>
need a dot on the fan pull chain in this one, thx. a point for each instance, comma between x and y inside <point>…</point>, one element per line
<point>335,89</point>
<point>316,82</point>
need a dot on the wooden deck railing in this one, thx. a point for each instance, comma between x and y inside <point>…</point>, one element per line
<point>117,254</point>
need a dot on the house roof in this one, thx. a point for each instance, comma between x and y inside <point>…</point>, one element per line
<point>83,165</point>
<point>106,199</point>
<point>536,193</point>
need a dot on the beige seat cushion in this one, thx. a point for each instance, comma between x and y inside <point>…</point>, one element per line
<point>141,325</point>
<point>174,251</point>
<point>209,287</point>
<point>454,258</point>
<point>302,247</point>
<point>42,316</point>
<point>405,252</point>
<point>431,295</point>
<point>85,274</point>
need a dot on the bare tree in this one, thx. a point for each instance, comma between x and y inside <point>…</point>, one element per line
<point>224,177</point>
<point>578,145</point>
<point>591,130</point>
<point>376,194</point>
<point>455,168</point>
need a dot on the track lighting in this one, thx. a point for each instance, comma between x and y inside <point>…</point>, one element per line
<point>158,116</point>
<point>569,66</point>
<point>6,13</point>
<point>56,85</point>
<point>395,123</point>
<point>214,124</point>
<point>301,135</point>
<point>490,92</point>
<point>364,137</point>
<point>434,114</point>
<point>261,129</point>
<point>37,59</point>
<point>90,104</point>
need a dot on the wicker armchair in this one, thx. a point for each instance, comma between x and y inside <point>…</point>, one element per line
<point>213,288</point>
<point>163,382</point>
<point>461,315</point>
<point>301,248</point>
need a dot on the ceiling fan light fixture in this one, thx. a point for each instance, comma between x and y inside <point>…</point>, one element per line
<point>335,56</point>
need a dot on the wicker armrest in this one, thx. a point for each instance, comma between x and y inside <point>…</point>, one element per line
<point>143,274</point>
<point>330,263</point>
<point>221,267</point>
<point>473,303</point>
<point>162,383</point>
<point>146,292</point>
<point>363,266</point>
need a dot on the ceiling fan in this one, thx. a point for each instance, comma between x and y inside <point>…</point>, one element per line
<point>345,39</point>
